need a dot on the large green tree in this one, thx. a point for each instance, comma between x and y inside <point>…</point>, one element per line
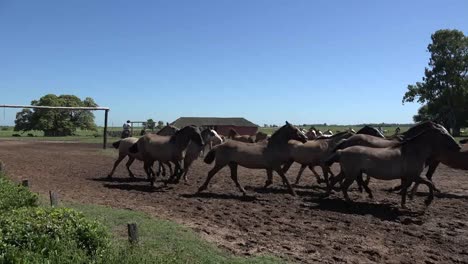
<point>57,122</point>
<point>443,90</point>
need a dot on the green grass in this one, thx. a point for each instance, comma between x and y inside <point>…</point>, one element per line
<point>32,232</point>
<point>161,241</point>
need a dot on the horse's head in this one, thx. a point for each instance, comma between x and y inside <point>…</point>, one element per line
<point>207,134</point>
<point>192,133</point>
<point>168,130</point>
<point>288,132</point>
<point>438,138</point>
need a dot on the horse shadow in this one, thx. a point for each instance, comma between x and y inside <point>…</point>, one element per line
<point>223,196</point>
<point>132,187</point>
<point>312,191</point>
<point>388,212</point>
<point>119,180</point>
<point>444,195</point>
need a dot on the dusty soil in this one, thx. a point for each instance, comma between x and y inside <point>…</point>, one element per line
<point>304,229</point>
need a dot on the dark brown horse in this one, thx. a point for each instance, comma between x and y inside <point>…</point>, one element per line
<point>269,156</point>
<point>404,161</point>
<point>166,148</point>
<point>124,145</point>
<point>242,138</point>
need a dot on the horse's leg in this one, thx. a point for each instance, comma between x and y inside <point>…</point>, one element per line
<point>269,180</point>
<point>146,167</point>
<point>325,175</point>
<point>429,174</point>
<point>405,184</point>
<point>338,178</point>
<point>116,163</point>
<point>160,167</point>
<point>285,180</point>
<point>362,184</point>
<point>317,176</point>
<point>430,185</point>
<point>345,185</point>
<point>129,163</point>
<point>233,167</point>
<point>175,175</point>
<point>301,170</point>
<point>211,173</point>
<point>287,165</point>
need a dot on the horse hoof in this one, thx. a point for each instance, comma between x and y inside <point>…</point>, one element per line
<point>428,202</point>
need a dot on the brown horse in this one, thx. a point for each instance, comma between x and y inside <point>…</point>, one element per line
<point>123,146</point>
<point>312,153</point>
<point>378,142</point>
<point>269,156</point>
<point>403,161</point>
<point>261,136</point>
<point>166,148</point>
<point>237,137</point>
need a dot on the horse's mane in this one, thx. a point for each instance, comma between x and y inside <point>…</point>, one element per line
<point>367,128</point>
<point>334,136</point>
<point>234,131</point>
<point>277,134</point>
<point>166,127</point>
<point>416,137</point>
<point>180,131</point>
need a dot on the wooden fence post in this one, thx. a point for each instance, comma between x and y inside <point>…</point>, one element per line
<point>53,199</point>
<point>25,183</point>
<point>132,233</point>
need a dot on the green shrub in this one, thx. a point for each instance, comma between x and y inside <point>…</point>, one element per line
<point>13,196</point>
<point>59,235</point>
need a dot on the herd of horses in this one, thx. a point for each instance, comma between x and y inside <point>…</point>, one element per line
<point>366,152</point>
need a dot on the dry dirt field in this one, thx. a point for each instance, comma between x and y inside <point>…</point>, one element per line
<point>303,229</point>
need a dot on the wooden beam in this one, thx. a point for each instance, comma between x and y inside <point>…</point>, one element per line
<point>105,129</point>
<point>55,107</point>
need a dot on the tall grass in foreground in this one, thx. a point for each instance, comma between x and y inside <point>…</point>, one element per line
<point>31,233</point>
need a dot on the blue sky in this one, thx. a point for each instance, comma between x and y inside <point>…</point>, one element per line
<point>339,62</point>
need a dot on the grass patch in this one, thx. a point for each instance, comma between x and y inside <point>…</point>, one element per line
<point>160,241</point>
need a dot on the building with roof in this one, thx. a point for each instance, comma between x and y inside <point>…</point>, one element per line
<point>220,124</point>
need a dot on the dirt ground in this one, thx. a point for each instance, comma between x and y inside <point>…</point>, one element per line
<point>304,229</point>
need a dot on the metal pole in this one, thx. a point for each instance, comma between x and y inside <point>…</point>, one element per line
<point>105,129</point>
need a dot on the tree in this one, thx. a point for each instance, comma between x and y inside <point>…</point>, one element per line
<point>444,87</point>
<point>160,124</point>
<point>150,124</point>
<point>56,122</point>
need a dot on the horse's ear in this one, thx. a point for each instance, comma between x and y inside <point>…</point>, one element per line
<point>287,123</point>
<point>167,123</point>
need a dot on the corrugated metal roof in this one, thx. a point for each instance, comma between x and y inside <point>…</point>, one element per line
<point>213,121</point>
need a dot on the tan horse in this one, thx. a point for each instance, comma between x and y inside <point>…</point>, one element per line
<point>166,148</point>
<point>269,156</point>
<point>237,137</point>
<point>124,145</point>
<point>404,161</point>
<point>312,153</point>
<point>191,154</point>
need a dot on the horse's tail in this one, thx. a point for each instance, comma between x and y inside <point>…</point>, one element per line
<point>335,157</point>
<point>210,157</point>
<point>116,144</point>
<point>133,148</point>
